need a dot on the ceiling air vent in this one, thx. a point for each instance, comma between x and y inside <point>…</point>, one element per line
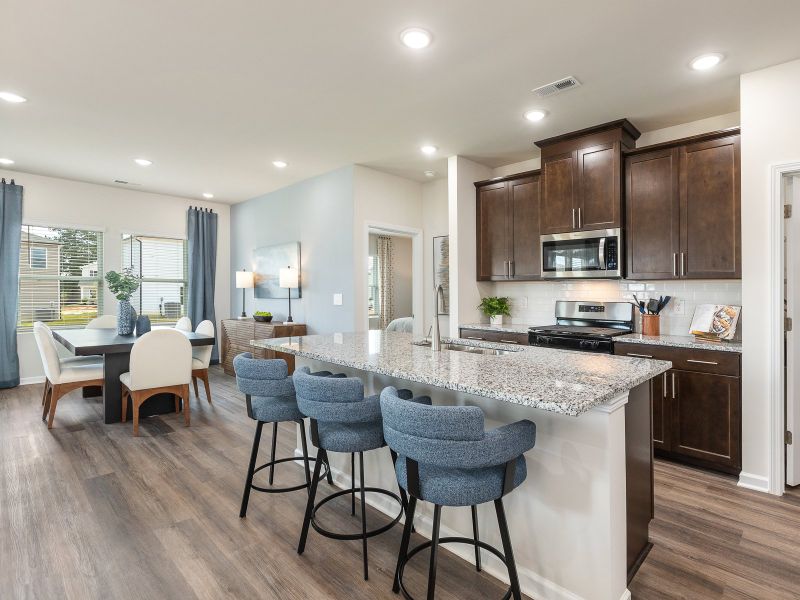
<point>556,87</point>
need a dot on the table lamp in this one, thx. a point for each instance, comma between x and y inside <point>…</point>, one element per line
<point>244,280</point>
<point>288,279</point>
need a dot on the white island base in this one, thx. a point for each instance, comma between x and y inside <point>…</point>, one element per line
<point>568,520</point>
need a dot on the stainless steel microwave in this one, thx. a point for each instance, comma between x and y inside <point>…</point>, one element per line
<point>582,254</point>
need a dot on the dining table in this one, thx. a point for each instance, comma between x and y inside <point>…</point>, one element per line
<point>116,352</point>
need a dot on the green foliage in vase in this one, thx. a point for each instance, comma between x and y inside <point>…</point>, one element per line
<point>495,305</point>
<point>262,313</point>
<point>122,285</point>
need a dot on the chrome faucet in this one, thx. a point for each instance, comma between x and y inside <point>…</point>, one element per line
<point>436,336</point>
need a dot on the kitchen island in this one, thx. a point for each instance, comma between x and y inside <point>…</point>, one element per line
<point>579,522</point>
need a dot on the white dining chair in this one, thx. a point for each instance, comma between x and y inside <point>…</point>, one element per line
<point>201,358</point>
<point>160,363</point>
<point>61,377</point>
<point>103,322</point>
<point>184,324</point>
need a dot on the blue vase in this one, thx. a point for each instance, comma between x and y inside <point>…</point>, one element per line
<point>125,318</point>
<point>142,325</point>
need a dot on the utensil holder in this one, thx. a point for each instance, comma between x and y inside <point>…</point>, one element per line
<point>651,325</point>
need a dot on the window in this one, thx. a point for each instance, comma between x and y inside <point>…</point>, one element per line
<point>162,264</point>
<point>372,286</point>
<point>37,257</point>
<point>59,276</point>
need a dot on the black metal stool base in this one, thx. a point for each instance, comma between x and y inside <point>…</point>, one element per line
<point>355,536</point>
<point>281,490</point>
<point>447,540</point>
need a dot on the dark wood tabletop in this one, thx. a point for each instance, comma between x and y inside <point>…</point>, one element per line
<point>86,342</point>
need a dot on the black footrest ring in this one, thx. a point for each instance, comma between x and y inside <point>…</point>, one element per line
<point>447,540</point>
<point>355,536</point>
<point>275,490</point>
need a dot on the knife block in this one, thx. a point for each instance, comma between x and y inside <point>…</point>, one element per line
<point>651,325</point>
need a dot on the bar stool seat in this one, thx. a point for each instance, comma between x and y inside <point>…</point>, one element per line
<point>352,437</point>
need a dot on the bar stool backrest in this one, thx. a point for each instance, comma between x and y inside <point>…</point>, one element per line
<point>267,378</point>
<point>334,399</point>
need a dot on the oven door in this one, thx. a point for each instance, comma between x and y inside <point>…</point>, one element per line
<point>581,254</point>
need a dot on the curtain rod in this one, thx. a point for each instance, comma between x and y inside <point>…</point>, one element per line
<point>12,181</point>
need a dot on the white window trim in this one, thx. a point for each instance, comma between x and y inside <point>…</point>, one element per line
<point>30,257</point>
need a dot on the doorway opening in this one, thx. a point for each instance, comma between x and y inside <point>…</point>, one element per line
<point>790,192</point>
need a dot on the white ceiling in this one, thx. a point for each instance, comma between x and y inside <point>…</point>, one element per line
<point>213,91</point>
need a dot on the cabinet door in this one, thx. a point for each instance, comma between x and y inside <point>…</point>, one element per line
<point>493,231</point>
<point>526,260</point>
<point>599,187</point>
<point>559,187</point>
<point>661,412</point>
<point>706,417</point>
<point>653,211</point>
<point>711,210</point>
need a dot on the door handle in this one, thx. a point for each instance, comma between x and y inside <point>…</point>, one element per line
<point>640,355</point>
<point>511,268</point>
<point>674,264</point>
<point>683,265</point>
<point>673,386</point>
<point>601,253</point>
<point>702,362</point>
<point>573,218</point>
<point>580,218</point>
<point>509,341</point>
<point>473,337</point>
<point>664,387</point>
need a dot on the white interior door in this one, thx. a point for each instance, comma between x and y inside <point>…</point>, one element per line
<point>792,304</point>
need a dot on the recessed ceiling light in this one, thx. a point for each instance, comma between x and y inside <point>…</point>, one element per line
<point>12,97</point>
<point>430,173</point>
<point>706,61</point>
<point>428,149</point>
<point>207,195</point>
<point>6,161</point>
<point>281,164</point>
<point>416,38</point>
<point>143,162</point>
<point>535,115</point>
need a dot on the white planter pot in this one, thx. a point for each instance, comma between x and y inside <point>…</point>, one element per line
<point>496,320</point>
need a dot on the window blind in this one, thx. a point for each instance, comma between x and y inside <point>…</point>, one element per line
<point>60,276</point>
<point>162,264</point>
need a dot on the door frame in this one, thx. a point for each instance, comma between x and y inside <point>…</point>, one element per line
<point>417,266</point>
<point>777,454</point>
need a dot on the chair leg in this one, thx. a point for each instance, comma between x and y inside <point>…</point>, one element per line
<point>185,397</point>
<point>329,476</point>
<point>124,404</point>
<point>272,454</point>
<point>437,519</point>
<point>353,483</point>
<point>55,396</point>
<point>363,516</point>
<point>401,556</point>
<point>250,470</point>
<point>304,442</point>
<point>196,393</point>
<point>476,537</point>
<point>322,456</point>
<point>177,399</point>
<point>44,391</point>
<point>136,403</point>
<point>48,400</point>
<point>403,495</point>
<point>204,377</point>
<point>507,550</point>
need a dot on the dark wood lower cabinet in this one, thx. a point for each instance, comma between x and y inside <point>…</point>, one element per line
<point>697,408</point>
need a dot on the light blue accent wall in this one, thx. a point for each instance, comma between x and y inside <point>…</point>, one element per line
<point>317,212</point>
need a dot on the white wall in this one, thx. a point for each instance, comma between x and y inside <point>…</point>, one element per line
<point>62,202</point>
<point>770,136</point>
<point>675,132</point>
<point>379,198</point>
<point>532,164</point>
<point>435,223</point>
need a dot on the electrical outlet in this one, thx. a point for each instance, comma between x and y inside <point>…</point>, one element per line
<point>678,307</point>
<point>522,302</point>
<point>337,299</point>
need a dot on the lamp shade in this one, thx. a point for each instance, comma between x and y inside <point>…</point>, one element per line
<point>244,279</point>
<point>288,278</point>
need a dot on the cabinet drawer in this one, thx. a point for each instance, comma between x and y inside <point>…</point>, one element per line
<point>686,359</point>
<point>495,336</point>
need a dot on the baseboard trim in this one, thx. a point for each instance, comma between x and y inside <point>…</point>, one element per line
<point>753,482</point>
<point>532,584</point>
<point>31,380</point>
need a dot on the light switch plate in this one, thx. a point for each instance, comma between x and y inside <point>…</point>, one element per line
<point>337,299</point>
<point>678,307</point>
<point>522,302</point>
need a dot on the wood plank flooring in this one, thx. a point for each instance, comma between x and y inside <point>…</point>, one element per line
<point>88,511</point>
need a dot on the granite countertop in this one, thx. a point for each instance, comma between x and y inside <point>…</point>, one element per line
<point>504,328</point>
<point>680,341</point>
<point>560,381</point>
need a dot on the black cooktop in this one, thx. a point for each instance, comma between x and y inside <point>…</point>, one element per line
<point>579,331</point>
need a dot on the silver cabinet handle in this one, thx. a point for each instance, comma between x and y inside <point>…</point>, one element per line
<point>673,386</point>
<point>640,355</point>
<point>511,266</point>
<point>473,337</point>
<point>674,264</point>
<point>573,218</point>
<point>664,387</point>
<point>505,267</point>
<point>702,362</point>
<point>509,341</point>
<point>683,265</point>
<point>580,218</point>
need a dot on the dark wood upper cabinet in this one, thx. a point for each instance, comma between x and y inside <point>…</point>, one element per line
<point>581,178</point>
<point>508,228</point>
<point>653,215</point>
<point>684,209</point>
<point>711,209</point>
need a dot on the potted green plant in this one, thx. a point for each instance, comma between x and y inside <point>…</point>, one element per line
<point>263,316</point>
<point>123,285</point>
<point>495,307</point>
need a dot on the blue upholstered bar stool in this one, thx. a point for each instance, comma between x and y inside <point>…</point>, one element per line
<point>342,420</point>
<point>270,397</point>
<point>445,457</point>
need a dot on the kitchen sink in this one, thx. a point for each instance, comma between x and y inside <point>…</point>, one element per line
<point>470,349</point>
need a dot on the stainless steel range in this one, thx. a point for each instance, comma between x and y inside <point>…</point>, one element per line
<point>588,326</point>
